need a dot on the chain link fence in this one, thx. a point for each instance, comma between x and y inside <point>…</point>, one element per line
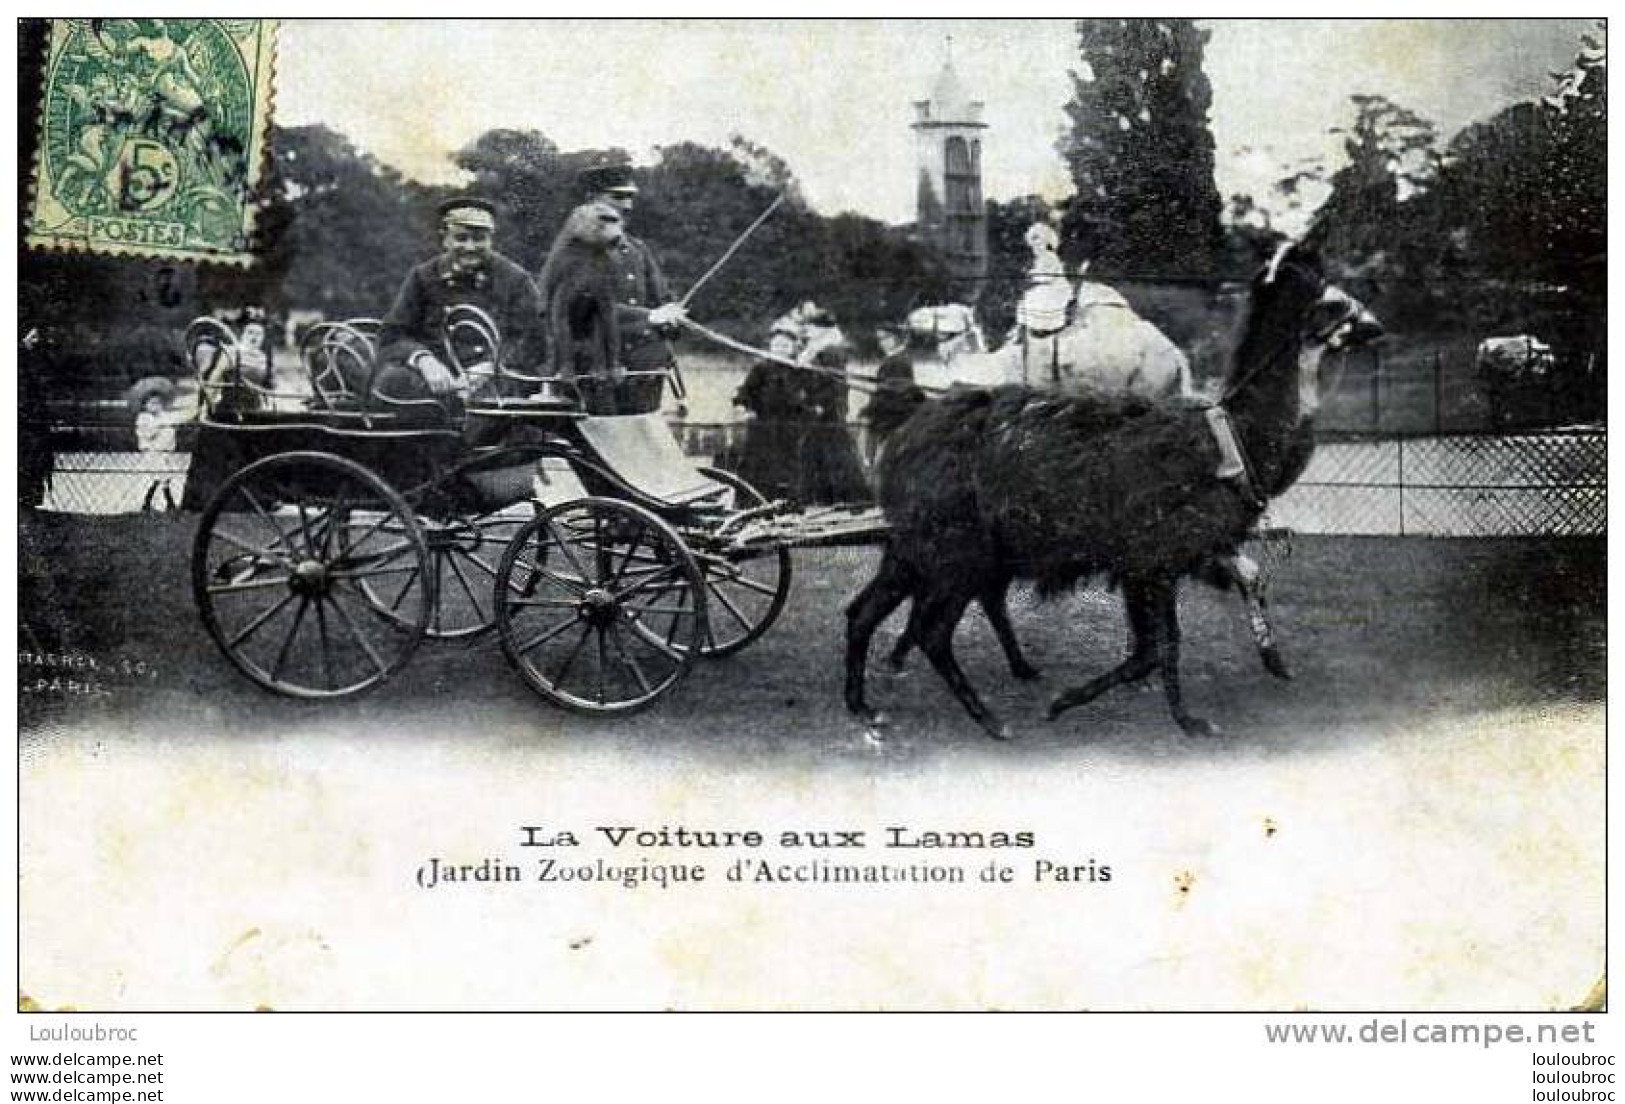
<point>116,482</point>
<point>1551,483</point>
<point>1469,485</point>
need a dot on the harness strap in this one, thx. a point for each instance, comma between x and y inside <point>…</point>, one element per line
<point>1233,465</point>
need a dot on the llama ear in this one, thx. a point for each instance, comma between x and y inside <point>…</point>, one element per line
<point>1273,269</point>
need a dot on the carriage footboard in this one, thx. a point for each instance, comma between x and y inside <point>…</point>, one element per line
<point>782,526</point>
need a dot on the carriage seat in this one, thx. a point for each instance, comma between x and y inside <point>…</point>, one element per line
<point>642,450</point>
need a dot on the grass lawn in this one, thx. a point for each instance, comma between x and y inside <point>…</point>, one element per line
<point>1377,631</point>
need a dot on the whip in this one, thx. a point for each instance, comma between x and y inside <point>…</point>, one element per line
<point>732,249</point>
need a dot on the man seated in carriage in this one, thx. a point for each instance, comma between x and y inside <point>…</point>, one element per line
<point>414,377</point>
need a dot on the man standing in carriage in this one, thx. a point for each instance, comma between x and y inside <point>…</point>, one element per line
<point>631,334</point>
<point>414,375</point>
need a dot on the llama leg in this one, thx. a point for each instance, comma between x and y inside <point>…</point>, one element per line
<point>1141,661</point>
<point>1167,649</point>
<point>1244,572</point>
<point>994,604</point>
<point>992,601</point>
<point>874,603</point>
<point>899,653</point>
<point>1142,639</point>
<point>932,623</point>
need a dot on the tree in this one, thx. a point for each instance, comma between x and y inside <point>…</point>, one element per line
<point>1523,199</point>
<point>1502,230</point>
<point>1140,151</point>
<point>763,166</point>
<point>874,273</point>
<point>1390,148</point>
<point>1250,235</point>
<point>338,230</point>
<point>1491,202</point>
<point>1580,225</point>
<point>1578,116</point>
<point>535,183</point>
<point>696,201</point>
<point>1367,221</point>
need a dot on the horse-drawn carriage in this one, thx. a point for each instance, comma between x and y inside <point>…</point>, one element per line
<point>337,534</point>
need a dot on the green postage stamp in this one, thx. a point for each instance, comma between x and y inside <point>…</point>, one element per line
<point>152,136</point>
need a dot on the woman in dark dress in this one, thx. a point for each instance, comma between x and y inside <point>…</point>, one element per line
<point>896,395</point>
<point>830,469</point>
<point>769,460</point>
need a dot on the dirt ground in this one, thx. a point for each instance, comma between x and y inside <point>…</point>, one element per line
<point>1378,631</point>
<point>1414,821</point>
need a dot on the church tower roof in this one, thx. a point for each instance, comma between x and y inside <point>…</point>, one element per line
<point>948,103</point>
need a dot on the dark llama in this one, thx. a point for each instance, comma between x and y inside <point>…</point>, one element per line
<point>986,487</point>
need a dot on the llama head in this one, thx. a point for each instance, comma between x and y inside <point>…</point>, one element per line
<point>1292,268</point>
<point>1340,321</point>
<point>1282,296</point>
<point>1295,313</point>
<point>1291,299</point>
<point>1293,287</point>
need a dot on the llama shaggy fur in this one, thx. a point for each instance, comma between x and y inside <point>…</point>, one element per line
<point>988,486</point>
<point>1057,488</point>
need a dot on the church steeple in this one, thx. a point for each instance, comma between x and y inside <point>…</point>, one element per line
<point>948,139</point>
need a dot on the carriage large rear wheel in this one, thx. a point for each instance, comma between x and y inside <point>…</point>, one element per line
<point>744,597</point>
<point>281,564</point>
<point>600,606</point>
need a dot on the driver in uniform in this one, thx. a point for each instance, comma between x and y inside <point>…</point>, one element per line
<point>414,378</point>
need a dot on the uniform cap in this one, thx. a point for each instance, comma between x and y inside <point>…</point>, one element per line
<point>609,174</point>
<point>469,211</point>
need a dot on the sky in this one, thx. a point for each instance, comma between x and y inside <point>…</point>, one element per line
<point>834,98</point>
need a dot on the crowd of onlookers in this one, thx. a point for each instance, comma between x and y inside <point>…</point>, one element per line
<point>797,444</point>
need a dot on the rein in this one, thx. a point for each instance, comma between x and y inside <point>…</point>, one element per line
<point>862,386</point>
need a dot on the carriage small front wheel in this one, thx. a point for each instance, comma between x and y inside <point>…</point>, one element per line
<point>600,606</point>
<point>283,563</point>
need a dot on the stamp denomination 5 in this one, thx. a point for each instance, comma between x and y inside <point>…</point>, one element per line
<point>152,136</point>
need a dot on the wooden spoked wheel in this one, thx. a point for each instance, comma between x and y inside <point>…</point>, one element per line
<point>600,606</point>
<point>744,597</point>
<point>282,566</point>
<point>464,554</point>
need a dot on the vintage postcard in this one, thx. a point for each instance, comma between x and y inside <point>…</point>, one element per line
<point>851,514</point>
